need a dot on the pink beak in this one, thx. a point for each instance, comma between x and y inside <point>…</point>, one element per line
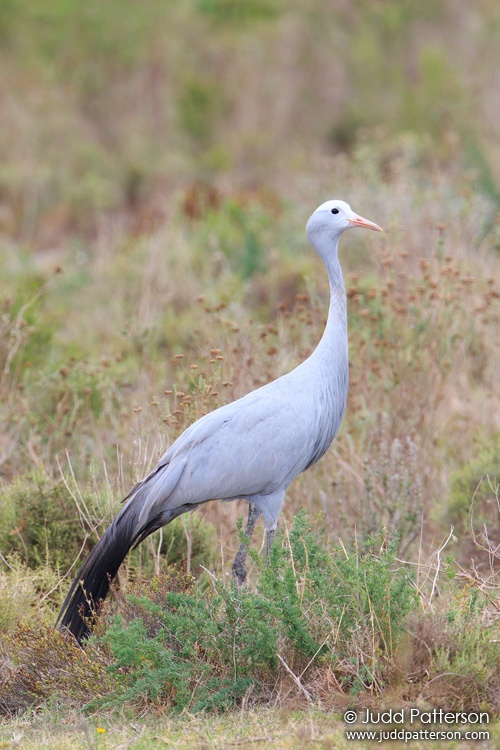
<point>358,221</point>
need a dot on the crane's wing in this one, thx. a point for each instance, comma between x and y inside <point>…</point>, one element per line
<point>253,446</point>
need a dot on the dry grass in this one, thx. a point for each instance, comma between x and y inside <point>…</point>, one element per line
<point>135,391</point>
<point>276,728</point>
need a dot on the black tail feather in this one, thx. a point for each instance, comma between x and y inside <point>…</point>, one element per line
<point>93,580</point>
<point>91,585</point>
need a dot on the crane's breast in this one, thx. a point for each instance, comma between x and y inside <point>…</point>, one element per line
<point>329,409</point>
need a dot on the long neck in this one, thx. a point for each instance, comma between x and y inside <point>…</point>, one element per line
<point>334,339</point>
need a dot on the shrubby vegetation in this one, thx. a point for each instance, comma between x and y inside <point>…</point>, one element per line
<point>326,624</point>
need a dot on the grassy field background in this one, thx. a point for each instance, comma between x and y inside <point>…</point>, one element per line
<point>158,163</point>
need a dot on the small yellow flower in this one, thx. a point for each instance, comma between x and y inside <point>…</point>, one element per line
<point>100,730</point>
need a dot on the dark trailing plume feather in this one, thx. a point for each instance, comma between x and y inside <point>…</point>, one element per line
<point>93,580</point>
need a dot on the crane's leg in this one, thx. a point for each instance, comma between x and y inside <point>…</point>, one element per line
<point>238,568</point>
<point>269,542</point>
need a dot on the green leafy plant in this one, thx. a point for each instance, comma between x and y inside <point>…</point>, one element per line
<point>39,522</point>
<point>171,646</point>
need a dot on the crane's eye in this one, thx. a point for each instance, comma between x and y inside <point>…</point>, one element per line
<point>335,210</point>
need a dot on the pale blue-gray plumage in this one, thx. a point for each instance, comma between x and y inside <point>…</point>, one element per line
<point>250,449</point>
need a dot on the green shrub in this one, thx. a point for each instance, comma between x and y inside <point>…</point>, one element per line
<point>22,591</point>
<point>171,646</point>
<point>242,13</point>
<point>455,650</point>
<point>339,604</point>
<point>39,522</point>
<point>472,487</point>
<point>26,329</point>
<point>191,537</point>
<point>341,621</point>
<point>199,104</point>
<point>240,232</point>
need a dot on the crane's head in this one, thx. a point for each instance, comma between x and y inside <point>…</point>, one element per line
<point>331,219</point>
